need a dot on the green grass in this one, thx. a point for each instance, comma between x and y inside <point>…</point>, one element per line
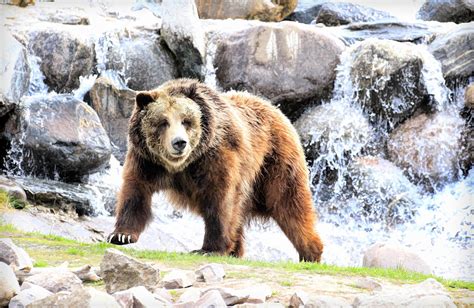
<point>53,250</point>
<point>40,263</point>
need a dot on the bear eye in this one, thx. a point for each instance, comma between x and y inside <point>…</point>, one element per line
<point>163,124</point>
<point>186,123</point>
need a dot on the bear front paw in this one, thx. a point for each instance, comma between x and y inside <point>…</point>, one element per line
<point>121,238</point>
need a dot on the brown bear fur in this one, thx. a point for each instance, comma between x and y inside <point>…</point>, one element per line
<point>248,164</point>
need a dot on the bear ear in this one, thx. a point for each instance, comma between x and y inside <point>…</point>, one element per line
<point>143,99</point>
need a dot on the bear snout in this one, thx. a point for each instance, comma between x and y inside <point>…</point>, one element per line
<point>179,144</point>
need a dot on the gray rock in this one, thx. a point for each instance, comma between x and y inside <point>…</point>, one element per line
<point>322,301</point>
<point>389,76</point>
<point>211,299</point>
<point>132,52</point>
<point>136,297</point>
<point>14,72</point>
<point>66,53</point>
<point>231,297</point>
<point>429,293</point>
<point>454,50</point>
<point>259,9</point>
<point>9,286</point>
<point>12,188</point>
<point>66,18</point>
<point>56,280</point>
<point>342,13</point>
<point>385,255</point>
<point>288,63</point>
<point>114,101</point>
<point>305,16</point>
<point>428,148</point>
<point>121,272</point>
<point>211,273</point>
<point>87,274</point>
<point>177,279</point>
<point>64,137</point>
<point>182,32</point>
<point>299,299</point>
<point>368,284</point>
<point>190,295</point>
<point>28,295</point>
<point>258,293</point>
<point>14,255</point>
<point>84,297</point>
<point>447,10</point>
<point>161,294</point>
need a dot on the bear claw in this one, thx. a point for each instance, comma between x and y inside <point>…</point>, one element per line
<point>120,239</point>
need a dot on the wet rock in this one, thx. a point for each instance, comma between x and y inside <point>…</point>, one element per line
<point>288,63</point>
<point>85,297</point>
<point>14,72</point>
<point>385,255</point>
<point>136,297</point>
<point>86,274</point>
<point>114,103</point>
<point>11,254</point>
<point>299,299</point>
<point>454,50</point>
<point>177,279</point>
<point>65,53</point>
<point>182,32</point>
<point>211,273</point>
<point>191,295</point>
<point>62,137</point>
<point>342,13</point>
<point>305,16</point>
<point>393,199</point>
<point>12,188</point>
<point>211,299</point>
<point>231,297</point>
<point>28,295</point>
<point>331,138</point>
<point>121,272</point>
<point>389,78</point>
<point>429,293</point>
<point>132,52</point>
<point>447,10</point>
<point>56,280</point>
<point>263,10</point>
<point>66,18</point>
<point>9,286</point>
<point>428,147</point>
<point>368,284</point>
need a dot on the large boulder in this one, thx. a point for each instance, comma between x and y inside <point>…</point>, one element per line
<point>264,10</point>
<point>28,295</point>
<point>84,297</point>
<point>14,72</point>
<point>56,280</point>
<point>121,272</point>
<point>457,11</point>
<point>65,53</point>
<point>389,80</point>
<point>114,103</point>
<point>428,148</point>
<point>392,199</point>
<point>14,255</point>
<point>138,55</point>
<point>285,62</point>
<point>454,50</point>
<point>9,286</point>
<point>62,136</point>
<point>342,13</point>
<point>181,31</point>
<point>384,255</point>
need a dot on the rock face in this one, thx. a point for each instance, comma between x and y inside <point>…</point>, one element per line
<point>389,79</point>
<point>342,13</point>
<point>132,52</point>
<point>275,10</point>
<point>29,295</point>
<point>182,32</point>
<point>9,286</point>
<point>284,62</point>
<point>65,55</point>
<point>14,72</point>
<point>56,280</point>
<point>454,50</point>
<point>114,103</point>
<point>62,136</point>
<point>84,297</point>
<point>394,256</point>
<point>428,148</point>
<point>391,199</point>
<point>457,11</point>
<point>429,293</point>
<point>11,254</point>
<point>121,272</point>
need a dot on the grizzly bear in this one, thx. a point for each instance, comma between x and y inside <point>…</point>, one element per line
<point>227,157</point>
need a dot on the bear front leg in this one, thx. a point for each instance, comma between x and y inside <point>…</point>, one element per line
<point>133,212</point>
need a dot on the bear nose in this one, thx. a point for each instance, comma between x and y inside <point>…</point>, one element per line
<point>179,144</point>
